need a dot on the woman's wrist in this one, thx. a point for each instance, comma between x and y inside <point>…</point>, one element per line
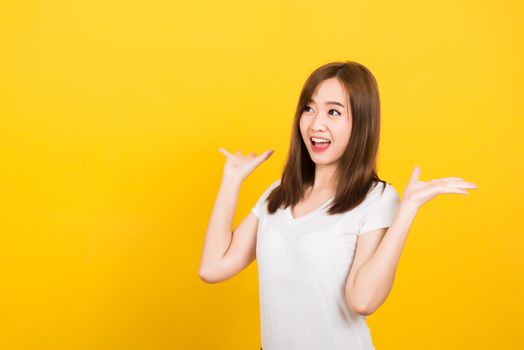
<point>230,180</point>
<point>408,206</point>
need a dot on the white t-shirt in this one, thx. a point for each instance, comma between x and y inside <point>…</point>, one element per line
<point>303,266</point>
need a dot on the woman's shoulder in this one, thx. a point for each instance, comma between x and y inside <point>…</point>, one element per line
<point>270,188</point>
<point>382,191</point>
<point>383,186</point>
<point>273,184</point>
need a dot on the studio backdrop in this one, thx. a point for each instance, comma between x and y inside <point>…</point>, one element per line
<point>111,117</point>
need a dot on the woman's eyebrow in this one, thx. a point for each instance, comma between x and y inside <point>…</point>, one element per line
<point>330,103</point>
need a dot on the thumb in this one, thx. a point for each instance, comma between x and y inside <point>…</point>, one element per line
<point>415,174</point>
<point>224,152</point>
<point>269,153</point>
<point>262,157</point>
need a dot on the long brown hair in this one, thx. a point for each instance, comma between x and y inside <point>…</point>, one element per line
<point>357,166</point>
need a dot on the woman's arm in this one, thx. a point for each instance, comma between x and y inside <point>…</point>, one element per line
<point>219,230</point>
<point>215,264</point>
<point>372,282</point>
<point>369,286</point>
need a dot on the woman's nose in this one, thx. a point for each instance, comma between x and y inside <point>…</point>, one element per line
<point>318,122</point>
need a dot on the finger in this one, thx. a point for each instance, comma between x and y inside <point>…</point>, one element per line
<point>436,190</point>
<point>468,186</point>
<point>252,154</point>
<point>268,153</point>
<point>455,191</point>
<point>265,155</point>
<point>224,152</point>
<point>453,188</point>
<point>415,174</point>
<point>453,178</point>
<point>462,185</point>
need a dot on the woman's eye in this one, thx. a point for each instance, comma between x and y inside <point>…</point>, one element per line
<point>307,107</point>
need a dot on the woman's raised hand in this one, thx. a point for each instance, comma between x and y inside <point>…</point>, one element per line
<point>238,166</point>
<point>419,192</point>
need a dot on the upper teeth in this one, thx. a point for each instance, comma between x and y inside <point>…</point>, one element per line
<point>319,140</point>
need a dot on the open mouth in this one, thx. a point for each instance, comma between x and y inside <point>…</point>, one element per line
<point>319,145</point>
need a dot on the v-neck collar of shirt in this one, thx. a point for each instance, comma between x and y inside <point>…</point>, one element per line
<point>293,220</point>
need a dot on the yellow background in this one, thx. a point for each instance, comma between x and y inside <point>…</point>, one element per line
<point>112,113</point>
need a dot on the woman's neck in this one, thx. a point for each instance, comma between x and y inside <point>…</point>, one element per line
<point>326,177</point>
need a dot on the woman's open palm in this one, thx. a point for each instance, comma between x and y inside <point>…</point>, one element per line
<point>419,192</point>
<point>239,166</point>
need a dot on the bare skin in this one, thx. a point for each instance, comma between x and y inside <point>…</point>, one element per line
<point>226,253</point>
<point>378,252</point>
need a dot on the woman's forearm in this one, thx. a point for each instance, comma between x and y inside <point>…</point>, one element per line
<point>218,235</point>
<point>374,279</point>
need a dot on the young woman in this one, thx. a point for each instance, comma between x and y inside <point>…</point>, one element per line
<point>328,234</point>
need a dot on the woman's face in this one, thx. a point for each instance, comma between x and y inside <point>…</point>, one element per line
<point>327,116</point>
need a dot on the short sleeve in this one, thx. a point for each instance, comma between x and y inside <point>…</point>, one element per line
<point>381,211</point>
<point>259,205</point>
